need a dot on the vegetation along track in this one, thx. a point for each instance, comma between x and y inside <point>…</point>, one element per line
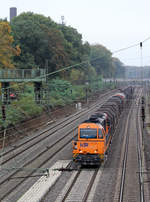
<point>38,160</point>
<point>128,183</point>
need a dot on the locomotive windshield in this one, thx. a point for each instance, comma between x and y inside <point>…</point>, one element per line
<point>88,133</point>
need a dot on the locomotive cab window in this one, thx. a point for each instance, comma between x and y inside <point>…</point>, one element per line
<point>88,133</point>
<point>105,124</point>
<point>108,123</point>
<point>100,135</point>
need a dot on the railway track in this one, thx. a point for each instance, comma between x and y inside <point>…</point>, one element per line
<point>15,131</point>
<point>52,129</point>
<point>130,186</point>
<point>38,160</point>
<point>140,153</point>
<point>78,189</point>
<point>37,138</point>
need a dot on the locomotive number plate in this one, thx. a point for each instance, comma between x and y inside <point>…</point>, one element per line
<point>83,144</point>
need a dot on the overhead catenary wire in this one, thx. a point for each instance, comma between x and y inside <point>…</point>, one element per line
<point>123,49</point>
<point>132,46</point>
<point>148,38</point>
<point>88,61</point>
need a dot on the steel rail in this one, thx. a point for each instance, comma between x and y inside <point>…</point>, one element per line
<point>87,193</point>
<point>39,166</point>
<point>139,151</point>
<point>24,177</point>
<point>35,158</point>
<point>49,129</point>
<point>71,186</point>
<point>121,191</point>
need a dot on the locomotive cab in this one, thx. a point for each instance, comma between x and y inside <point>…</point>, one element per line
<point>92,141</point>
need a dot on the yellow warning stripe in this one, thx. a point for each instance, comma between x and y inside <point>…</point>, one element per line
<point>75,155</point>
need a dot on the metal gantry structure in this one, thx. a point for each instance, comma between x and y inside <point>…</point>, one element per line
<point>37,76</point>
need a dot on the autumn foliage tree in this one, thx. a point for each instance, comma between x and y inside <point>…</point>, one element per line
<point>7,51</point>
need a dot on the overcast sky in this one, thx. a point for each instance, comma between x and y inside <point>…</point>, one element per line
<point>115,24</point>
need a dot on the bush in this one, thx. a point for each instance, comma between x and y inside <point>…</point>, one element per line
<point>61,93</point>
<point>21,109</point>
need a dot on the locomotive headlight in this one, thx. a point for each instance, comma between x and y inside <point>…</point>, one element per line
<point>80,151</point>
<point>96,151</point>
<point>75,145</point>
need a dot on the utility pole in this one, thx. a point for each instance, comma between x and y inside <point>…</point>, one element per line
<point>47,88</point>
<point>142,73</point>
<point>62,20</point>
<point>3,112</point>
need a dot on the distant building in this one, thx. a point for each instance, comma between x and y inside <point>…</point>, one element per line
<point>13,12</point>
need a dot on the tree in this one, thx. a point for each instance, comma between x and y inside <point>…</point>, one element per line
<point>74,46</point>
<point>101,60</point>
<point>40,40</point>
<point>118,67</point>
<point>58,57</point>
<point>43,41</point>
<point>7,51</point>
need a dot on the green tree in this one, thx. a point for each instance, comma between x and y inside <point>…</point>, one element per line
<point>35,34</point>
<point>119,68</point>
<point>74,46</point>
<point>101,60</point>
<point>42,40</point>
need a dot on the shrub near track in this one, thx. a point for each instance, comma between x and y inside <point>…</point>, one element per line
<point>61,93</point>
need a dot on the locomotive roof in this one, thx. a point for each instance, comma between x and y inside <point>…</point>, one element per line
<point>97,118</point>
<point>94,120</point>
<point>122,95</point>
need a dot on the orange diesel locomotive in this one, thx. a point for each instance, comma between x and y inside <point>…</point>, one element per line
<point>95,134</point>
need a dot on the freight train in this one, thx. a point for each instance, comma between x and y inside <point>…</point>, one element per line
<point>95,134</point>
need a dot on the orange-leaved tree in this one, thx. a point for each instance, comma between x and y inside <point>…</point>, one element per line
<point>7,51</point>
